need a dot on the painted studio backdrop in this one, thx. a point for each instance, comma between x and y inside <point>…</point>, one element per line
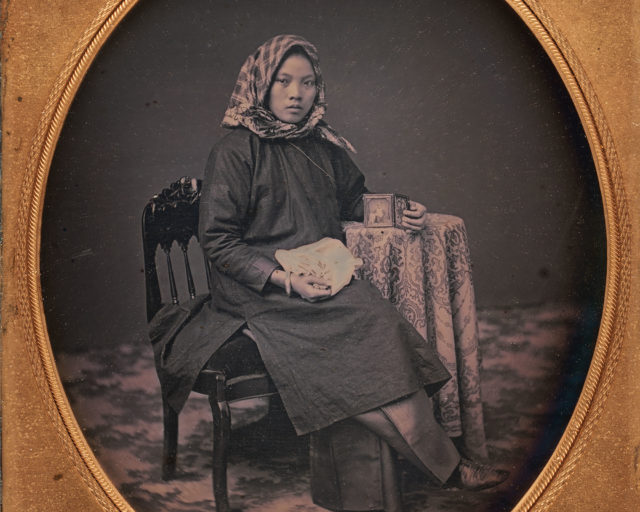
<point>452,103</point>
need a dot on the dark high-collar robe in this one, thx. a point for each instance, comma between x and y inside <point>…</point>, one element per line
<point>330,359</point>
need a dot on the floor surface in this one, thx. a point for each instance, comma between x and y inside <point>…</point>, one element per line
<point>115,396</point>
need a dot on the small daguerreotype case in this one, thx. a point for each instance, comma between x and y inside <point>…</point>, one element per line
<point>384,210</point>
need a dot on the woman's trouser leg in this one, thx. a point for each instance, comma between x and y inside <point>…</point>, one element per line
<point>409,426</point>
<point>352,467</point>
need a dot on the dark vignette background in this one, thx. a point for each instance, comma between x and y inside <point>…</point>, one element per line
<point>453,103</point>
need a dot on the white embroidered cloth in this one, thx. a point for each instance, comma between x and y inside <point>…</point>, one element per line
<point>327,258</point>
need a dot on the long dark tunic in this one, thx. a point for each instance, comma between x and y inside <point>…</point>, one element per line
<point>331,359</point>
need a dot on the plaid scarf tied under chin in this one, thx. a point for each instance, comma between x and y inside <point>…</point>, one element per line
<point>247,106</point>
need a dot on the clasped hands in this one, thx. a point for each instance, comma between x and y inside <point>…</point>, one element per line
<point>310,288</point>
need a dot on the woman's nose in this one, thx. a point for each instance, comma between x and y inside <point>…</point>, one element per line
<point>294,90</point>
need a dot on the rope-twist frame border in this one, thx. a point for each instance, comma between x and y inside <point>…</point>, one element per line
<point>30,308</point>
<point>590,405</point>
<point>558,470</point>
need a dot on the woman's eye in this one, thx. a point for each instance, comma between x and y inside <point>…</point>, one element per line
<point>283,81</point>
<point>309,83</point>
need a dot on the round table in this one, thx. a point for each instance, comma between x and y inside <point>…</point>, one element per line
<point>427,276</point>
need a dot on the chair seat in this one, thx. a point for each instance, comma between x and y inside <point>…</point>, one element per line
<point>252,385</point>
<point>239,365</point>
<point>238,356</point>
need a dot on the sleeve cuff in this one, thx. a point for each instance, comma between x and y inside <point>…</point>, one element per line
<point>263,268</point>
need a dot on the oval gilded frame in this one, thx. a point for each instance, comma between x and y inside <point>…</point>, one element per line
<point>541,494</point>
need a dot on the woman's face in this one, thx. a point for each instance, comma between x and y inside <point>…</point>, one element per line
<point>293,90</point>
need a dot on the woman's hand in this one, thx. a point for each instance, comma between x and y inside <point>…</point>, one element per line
<point>415,217</point>
<point>310,288</point>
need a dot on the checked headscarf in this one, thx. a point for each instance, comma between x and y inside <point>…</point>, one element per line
<point>247,106</point>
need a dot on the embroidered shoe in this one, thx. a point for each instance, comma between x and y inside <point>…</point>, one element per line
<point>473,476</point>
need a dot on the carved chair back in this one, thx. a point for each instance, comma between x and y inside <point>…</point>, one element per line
<point>170,218</point>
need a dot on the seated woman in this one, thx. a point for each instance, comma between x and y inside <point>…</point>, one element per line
<point>349,368</point>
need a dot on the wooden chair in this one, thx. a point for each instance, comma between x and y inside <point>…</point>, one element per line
<point>170,219</point>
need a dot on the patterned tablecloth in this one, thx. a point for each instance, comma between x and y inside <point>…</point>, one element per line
<point>427,275</point>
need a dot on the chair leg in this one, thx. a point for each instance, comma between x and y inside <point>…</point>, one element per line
<point>221,433</point>
<point>170,448</point>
